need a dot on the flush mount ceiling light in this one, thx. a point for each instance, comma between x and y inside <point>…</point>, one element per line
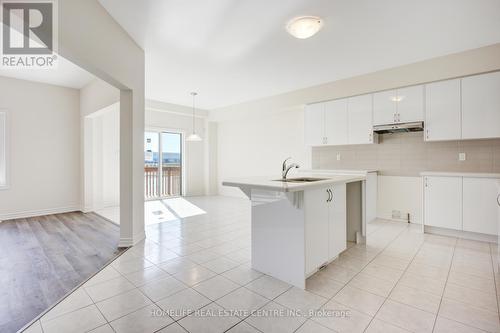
<point>193,136</point>
<point>303,27</point>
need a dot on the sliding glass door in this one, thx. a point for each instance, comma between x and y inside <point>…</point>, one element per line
<point>162,164</point>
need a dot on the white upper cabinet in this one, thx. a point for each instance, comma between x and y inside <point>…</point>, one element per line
<point>410,104</point>
<point>481,106</point>
<point>398,106</point>
<point>314,120</point>
<point>336,130</point>
<point>442,111</point>
<point>384,107</point>
<point>360,119</point>
<point>480,205</point>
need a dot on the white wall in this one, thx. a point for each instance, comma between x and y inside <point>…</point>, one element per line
<point>400,193</point>
<point>256,144</point>
<point>44,141</point>
<point>102,158</point>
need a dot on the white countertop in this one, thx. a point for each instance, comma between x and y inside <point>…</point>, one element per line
<point>270,184</point>
<point>460,174</point>
<point>336,172</point>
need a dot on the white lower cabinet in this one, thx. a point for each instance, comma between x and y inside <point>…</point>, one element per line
<point>337,222</point>
<point>479,205</point>
<point>443,202</point>
<point>325,228</point>
<point>462,203</point>
<point>316,205</point>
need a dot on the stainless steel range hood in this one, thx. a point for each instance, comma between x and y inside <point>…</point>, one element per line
<point>417,126</point>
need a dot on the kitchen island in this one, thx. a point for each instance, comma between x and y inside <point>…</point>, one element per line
<point>301,224</point>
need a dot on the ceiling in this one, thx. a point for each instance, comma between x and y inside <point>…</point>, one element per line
<point>234,51</point>
<point>66,74</point>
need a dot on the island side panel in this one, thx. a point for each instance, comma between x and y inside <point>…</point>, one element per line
<point>278,246</point>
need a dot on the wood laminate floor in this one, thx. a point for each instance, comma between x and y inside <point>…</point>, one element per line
<point>43,258</point>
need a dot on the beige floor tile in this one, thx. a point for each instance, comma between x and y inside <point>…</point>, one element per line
<point>444,325</point>
<point>391,262</point>
<point>243,328</point>
<point>216,287</point>
<point>203,256</point>
<point>472,281</point>
<point>469,315</point>
<point>372,284</point>
<point>210,319</point>
<point>360,300</point>
<point>131,265</point>
<point>109,288</point>
<point>123,304</point>
<point>311,326</point>
<point>162,288</point>
<point>275,318</point>
<point>81,320</point>
<point>415,297</point>
<point>431,272</point>
<point>383,272</point>
<point>242,275</point>
<point>106,274</point>
<point>177,265</point>
<point>220,265</point>
<point>268,286</point>
<point>77,300</point>
<point>194,275</point>
<point>476,298</point>
<point>146,320</point>
<point>303,300</point>
<point>426,284</point>
<point>173,328</point>
<point>183,303</point>
<point>323,286</point>
<point>242,302</point>
<point>144,276</point>
<point>36,327</point>
<point>379,326</point>
<point>337,273</point>
<point>343,319</point>
<point>103,329</point>
<point>402,315</point>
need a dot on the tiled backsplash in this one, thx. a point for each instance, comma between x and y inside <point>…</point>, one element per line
<point>406,154</point>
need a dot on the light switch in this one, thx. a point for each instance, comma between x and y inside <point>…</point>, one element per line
<point>462,157</point>
<point>338,157</point>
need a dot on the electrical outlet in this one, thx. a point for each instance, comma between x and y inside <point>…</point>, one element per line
<point>462,156</point>
<point>338,157</point>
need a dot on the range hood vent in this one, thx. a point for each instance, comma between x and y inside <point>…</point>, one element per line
<point>417,126</point>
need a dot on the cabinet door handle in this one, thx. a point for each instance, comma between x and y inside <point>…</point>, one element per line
<point>328,192</point>
<point>332,196</point>
<point>427,133</point>
<point>498,199</point>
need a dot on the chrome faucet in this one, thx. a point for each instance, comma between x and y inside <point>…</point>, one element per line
<point>286,168</point>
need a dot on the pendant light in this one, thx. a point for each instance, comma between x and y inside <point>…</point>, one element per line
<point>193,136</point>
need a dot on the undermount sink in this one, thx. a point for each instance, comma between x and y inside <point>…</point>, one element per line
<point>300,180</point>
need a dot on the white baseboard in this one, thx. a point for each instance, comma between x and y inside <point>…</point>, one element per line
<point>461,234</point>
<point>128,242</point>
<point>40,212</point>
